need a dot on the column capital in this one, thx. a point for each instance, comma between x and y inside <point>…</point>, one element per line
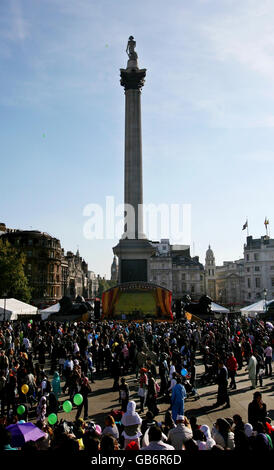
<point>132,79</point>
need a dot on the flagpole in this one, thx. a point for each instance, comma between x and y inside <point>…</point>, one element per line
<point>247,227</point>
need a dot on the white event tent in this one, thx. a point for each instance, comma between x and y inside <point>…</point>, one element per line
<point>253,309</point>
<point>218,308</point>
<point>49,311</point>
<point>11,309</point>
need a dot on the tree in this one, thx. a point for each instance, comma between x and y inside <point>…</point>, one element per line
<point>104,285</point>
<point>13,281</point>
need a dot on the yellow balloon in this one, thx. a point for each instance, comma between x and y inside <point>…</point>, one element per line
<point>25,389</point>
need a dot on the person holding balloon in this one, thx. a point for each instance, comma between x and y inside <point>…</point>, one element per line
<point>83,399</point>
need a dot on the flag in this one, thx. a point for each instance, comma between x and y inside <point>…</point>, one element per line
<point>245,226</point>
<point>266,222</point>
<point>188,316</point>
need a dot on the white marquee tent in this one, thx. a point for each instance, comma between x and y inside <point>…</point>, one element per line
<point>253,309</point>
<point>49,311</point>
<point>11,309</point>
<point>218,308</point>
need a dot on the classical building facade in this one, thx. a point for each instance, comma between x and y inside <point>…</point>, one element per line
<point>230,284</point>
<point>259,268</point>
<point>43,262</point>
<point>51,273</point>
<point>173,267</point>
<point>93,284</point>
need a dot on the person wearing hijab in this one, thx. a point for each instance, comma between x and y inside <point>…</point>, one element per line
<point>209,440</point>
<point>56,386</point>
<point>131,422</point>
<point>42,410</point>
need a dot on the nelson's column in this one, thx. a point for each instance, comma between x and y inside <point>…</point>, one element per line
<point>133,249</point>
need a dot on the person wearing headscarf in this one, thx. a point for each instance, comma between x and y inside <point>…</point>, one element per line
<point>131,422</point>
<point>56,386</point>
<point>209,440</point>
<point>248,429</point>
<point>41,410</point>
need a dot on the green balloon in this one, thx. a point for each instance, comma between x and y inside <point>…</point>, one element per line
<point>52,418</point>
<point>78,399</point>
<point>67,406</point>
<point>21,410</point>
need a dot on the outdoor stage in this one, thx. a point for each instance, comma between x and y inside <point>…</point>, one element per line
<point>137,301</point>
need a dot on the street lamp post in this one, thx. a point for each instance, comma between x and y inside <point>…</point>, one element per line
<point>265,294</point>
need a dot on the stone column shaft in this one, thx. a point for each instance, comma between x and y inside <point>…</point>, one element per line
<point>133,184</point>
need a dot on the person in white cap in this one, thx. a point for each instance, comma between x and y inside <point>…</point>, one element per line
<point>181,433</point>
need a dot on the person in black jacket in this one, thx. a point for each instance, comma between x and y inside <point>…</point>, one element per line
<point>257,410</point>
<point>84,391</point>
<point>222,380</point>
<point>116,373</point>
<point>124,394</point>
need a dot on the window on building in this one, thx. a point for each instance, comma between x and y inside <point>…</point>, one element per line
<point>247,270</point>
<point>201,277</point>
<point>248,282</point>
<point>30,242</point>
<point>256,256</point>
<point>212,272</point>
<point>183,276</point>
<point>29,253</point>
<point>257,268</point>
<point>247,257</point>
<point>272,281</point>
<point>29,267</point>
<point>272,268</point>
<point>192,289</point>
<point>249,295</point>
<point>17,241</point>
<point>57,278</point>
<point>258,282</point>
<point>209,272</point>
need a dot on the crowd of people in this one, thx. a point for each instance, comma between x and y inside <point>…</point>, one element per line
<point>37,357</point>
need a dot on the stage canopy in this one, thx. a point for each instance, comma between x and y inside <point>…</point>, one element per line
<point>47,312</point>
<point>257,307</point>
<point>218,308</point>
<point>137,301</point>
<point>12,309</point>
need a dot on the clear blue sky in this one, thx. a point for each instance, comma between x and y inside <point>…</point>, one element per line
<point>207,115</point>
